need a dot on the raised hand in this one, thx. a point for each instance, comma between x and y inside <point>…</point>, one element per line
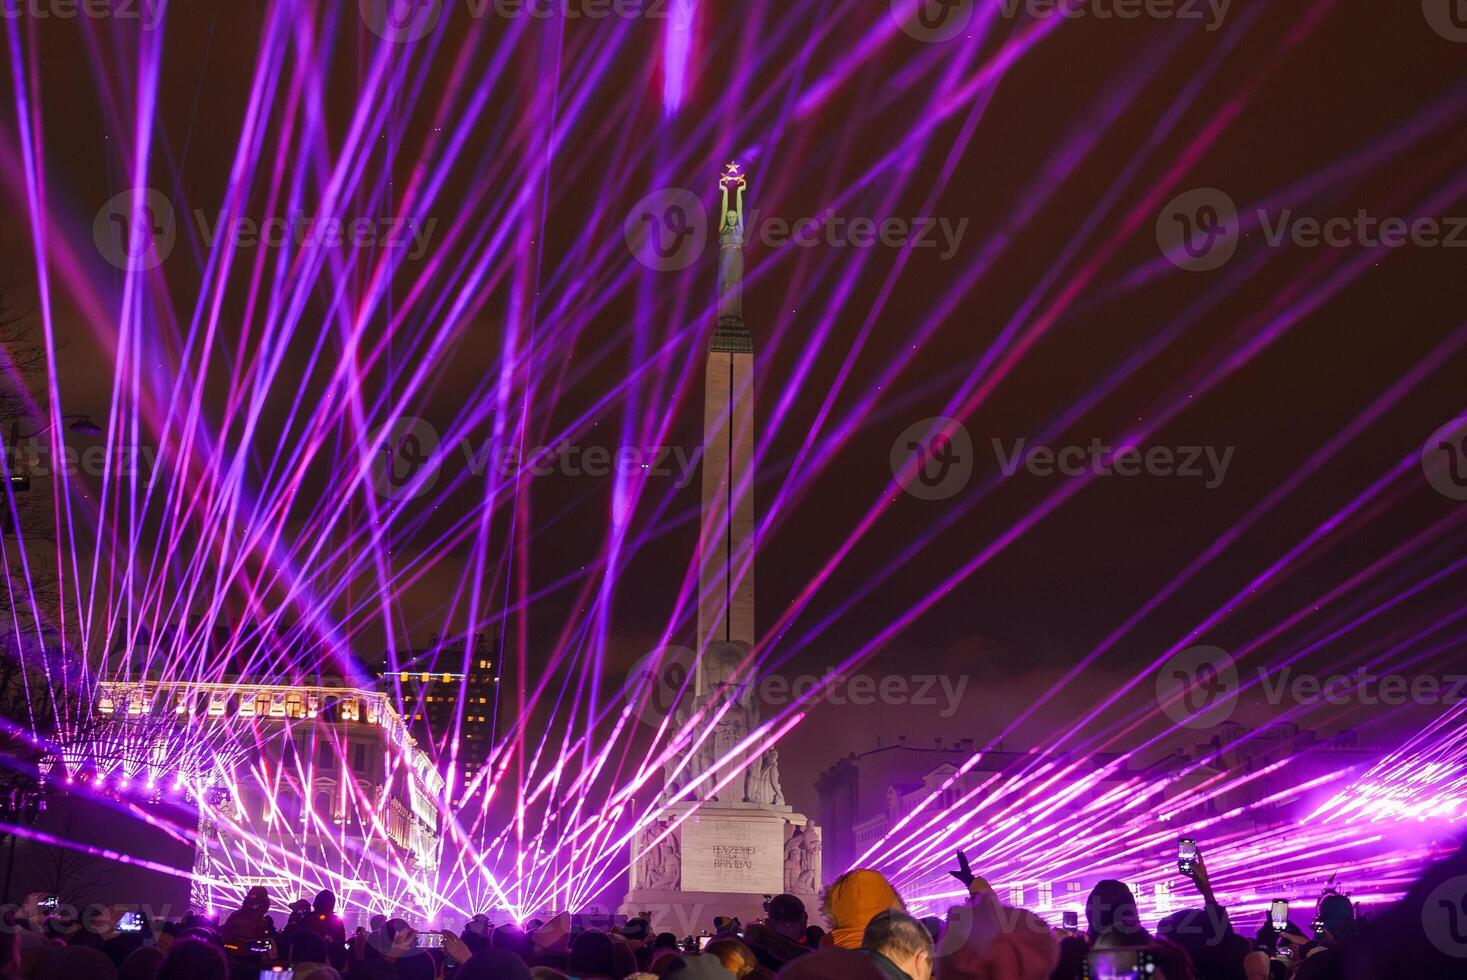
<point>964,873</point>
<point>1199,877</point>
<point>402,942</point>
<point>454,948</point>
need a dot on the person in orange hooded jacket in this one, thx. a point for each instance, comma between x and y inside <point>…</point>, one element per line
<point>850,903</point>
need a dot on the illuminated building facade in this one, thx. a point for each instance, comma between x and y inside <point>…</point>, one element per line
<point>299,788</point>
<point>448,694</point>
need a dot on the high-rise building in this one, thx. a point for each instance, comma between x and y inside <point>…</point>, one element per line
<point>448,694</point>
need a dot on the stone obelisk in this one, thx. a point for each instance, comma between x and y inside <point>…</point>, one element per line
<point>725,837</point>
<point>726,543</point>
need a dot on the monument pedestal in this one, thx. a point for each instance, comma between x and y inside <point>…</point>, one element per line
<point>723,859</point>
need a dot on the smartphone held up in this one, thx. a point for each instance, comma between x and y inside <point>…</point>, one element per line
<point>1186,855</point>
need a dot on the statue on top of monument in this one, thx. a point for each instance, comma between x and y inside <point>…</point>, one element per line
<point>731,244</point>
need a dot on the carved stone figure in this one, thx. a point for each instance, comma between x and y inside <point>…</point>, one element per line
<point>728,706</point>
<point>809,858</point>
<point>661,866</point>
<point>763,780</point>
<point>792,858</point>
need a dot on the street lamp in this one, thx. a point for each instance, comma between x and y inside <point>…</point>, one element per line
<point>20,478</point>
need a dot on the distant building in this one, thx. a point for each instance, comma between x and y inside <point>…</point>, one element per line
<point>1257,753</point>
<point>300,787</point>
<point>448,694</point>
<point>865,794</point>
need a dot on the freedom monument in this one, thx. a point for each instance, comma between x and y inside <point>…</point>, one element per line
<point>727,838</point>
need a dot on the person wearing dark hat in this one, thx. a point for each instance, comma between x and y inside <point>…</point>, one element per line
<point>248,926</point>
<point>637,934</point>
<point>780,938</point>
<point>637,929</point>
<point>294,923</point>
<point>1336,917</point>
<point>726,925</point>
<point>324,922</point>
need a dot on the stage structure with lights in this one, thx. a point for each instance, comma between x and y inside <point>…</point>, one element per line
<point>298,787</point>
<point>725,838</point>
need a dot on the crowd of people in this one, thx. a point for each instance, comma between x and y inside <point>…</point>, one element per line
<point>870,935</point>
